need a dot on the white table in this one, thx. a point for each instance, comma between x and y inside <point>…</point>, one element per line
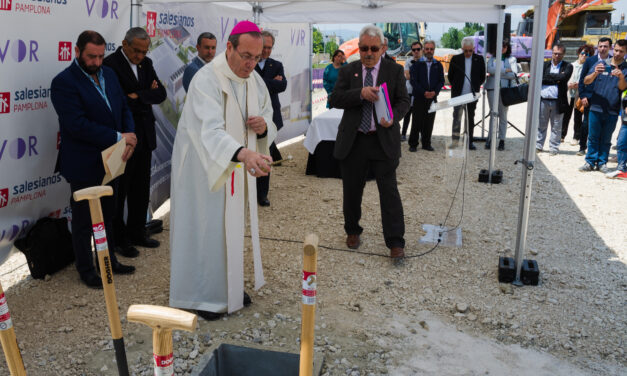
<point>323,128</point>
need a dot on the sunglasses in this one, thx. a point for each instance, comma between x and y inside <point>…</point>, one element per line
<point>416,49</point>
<point>372,48</point>
<point>584,53</point>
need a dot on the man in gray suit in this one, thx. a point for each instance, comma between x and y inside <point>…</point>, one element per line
<point>366,141</point>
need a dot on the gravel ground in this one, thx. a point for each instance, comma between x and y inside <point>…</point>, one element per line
<point>442,313</point>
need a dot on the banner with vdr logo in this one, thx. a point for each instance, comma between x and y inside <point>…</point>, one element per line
<point>36,43</point>
<point>174,28</point>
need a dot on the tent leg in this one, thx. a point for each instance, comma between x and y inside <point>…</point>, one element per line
<point>533,113</point>
<point>497,85</point>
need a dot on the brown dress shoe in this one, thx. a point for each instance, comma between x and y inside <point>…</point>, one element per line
<point>397,252</point>
<point>352,241</point>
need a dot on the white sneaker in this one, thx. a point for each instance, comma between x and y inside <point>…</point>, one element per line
<point>618,174</point>
<point>574,142</point>
<point>613,174</point>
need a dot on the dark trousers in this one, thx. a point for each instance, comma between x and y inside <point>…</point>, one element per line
<point>406,119</point>
<point>135,190</point>
<point>567,116</point>
<point>459,122</point>
<point>263,182</point>
<point>422,123</point>
<point>583,139</point>
<point>367,153</point>
<point>82,227</point>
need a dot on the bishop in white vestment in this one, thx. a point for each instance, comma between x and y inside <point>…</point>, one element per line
<point>221,147</point>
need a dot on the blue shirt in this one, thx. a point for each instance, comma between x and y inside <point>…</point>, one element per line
<point>605,95</point>
<point>101,80</point>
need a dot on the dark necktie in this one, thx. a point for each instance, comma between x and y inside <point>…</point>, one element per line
<point>366,115</point>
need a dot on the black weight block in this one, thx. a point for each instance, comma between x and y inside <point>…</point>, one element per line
<point>529,273</point>
<point>507,269</point>
<point>484,176</point>
<point>497,176</point>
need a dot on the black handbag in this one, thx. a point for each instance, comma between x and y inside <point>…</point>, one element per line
<point>515,94</point>
<point>47,247</point>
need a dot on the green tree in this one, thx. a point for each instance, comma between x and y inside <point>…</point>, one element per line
<point>318,44</point>
<point>330,47</point>
<point>452,38</point>
<point>471,28</point>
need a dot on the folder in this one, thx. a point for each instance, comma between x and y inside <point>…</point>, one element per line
<point>112,161</point>
<point>382,106</point>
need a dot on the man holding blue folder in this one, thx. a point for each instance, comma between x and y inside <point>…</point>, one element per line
<point>365,140</point>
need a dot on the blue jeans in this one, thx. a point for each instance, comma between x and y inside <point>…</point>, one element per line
<point>600,128</point>
<point>621,148</point>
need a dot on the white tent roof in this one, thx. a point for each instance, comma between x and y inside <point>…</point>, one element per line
<point>367,11</point>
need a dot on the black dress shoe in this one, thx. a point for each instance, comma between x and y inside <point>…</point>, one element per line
<point>119,268</point>
<point>247,300</point>
<point>208,315</point>
<point>154,226</point>
<point>154,223</point>
<point>413,149</point>
<point>501,145</point>
<point>472,146</point>
<point>146,242</point>
<point>264,201</point>
<point>91,279</point>
<point>429,148</point>
<point>154,230</point>
<point>127,251</point>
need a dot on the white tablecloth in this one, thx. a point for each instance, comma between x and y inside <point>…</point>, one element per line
<point>323,128</point>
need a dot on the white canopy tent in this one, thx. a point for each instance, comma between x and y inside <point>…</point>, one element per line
<point>366,11</point>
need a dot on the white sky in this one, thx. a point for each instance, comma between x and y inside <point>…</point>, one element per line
<point>435,30</point>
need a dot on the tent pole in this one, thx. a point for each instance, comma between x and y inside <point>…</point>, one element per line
<point>533,114</point>
<point>311,74</point>
<point>494,112</point>
<point>485,61</point>
<point>257,10</point>
<point>135,11</point>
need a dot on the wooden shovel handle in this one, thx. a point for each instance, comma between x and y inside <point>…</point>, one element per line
<point>93,193</point>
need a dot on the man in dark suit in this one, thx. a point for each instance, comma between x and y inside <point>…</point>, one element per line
<point>273,75</point>
<point>143,89</point>
<point>427,78</point>
<point>93,115</point>
<point>366,141</point>
<point>466,74</point>
<point>554,102</point>
<point>206,47</point>
<point>585,91</point>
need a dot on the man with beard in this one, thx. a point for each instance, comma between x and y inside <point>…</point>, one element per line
<point>93,115</point>
<point>427,78</point>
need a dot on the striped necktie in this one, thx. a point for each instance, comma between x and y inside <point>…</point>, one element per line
<point>366,115</point>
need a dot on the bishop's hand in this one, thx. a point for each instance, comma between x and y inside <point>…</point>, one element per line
<point>257,124</point>
<point>255,163</point>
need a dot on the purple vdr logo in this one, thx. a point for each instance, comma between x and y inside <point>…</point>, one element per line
<point>5,4</point>
<point>65,51</point>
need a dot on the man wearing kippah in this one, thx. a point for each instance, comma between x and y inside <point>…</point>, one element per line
<point>221,147</point>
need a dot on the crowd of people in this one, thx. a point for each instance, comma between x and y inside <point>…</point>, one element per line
<point>224,147</point>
